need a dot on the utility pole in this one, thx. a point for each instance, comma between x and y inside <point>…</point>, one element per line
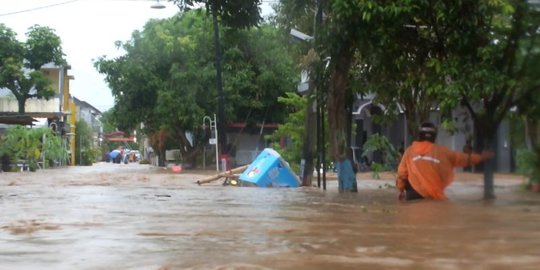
<point>306,163</point>
<point>219,84</point>
<point>321,157</point>
<point>313,122</point>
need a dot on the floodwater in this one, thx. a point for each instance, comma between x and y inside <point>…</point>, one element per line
<point>117,216</point>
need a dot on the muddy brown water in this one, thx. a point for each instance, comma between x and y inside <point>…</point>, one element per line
<point>117,216</point>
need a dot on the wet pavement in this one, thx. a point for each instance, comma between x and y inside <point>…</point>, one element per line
<point>117,216</point>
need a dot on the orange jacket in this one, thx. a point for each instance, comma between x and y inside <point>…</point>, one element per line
<point>429,168</point>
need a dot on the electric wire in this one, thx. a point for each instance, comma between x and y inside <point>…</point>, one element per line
<point>38,8</point>
<point>72,1</point>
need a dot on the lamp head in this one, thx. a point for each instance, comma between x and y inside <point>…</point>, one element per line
<point>158,5</point>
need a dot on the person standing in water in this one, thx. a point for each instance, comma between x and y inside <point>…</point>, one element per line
<point>426,168</point>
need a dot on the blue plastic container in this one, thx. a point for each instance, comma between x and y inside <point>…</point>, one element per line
<point>270,170</point>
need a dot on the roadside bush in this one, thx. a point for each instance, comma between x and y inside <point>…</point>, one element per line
<point>89,156</point>
<point>31,145</point>
<point>527,161</point>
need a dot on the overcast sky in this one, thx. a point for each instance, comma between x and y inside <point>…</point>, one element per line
<point>88,29</point>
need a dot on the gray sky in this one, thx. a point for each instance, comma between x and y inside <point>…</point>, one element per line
<point>88,29</point>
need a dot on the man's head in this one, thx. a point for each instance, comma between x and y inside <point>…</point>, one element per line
<point>428,132</point>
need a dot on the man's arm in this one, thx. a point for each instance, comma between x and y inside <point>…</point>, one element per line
<point>460,159</point>
<point>403,174</point>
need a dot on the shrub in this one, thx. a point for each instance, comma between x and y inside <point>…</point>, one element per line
<point>390,155</point>
<point>527,161</point>
<point>32,145</point>
<point>89,156</point>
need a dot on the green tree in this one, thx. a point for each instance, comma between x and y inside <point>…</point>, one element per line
<point>424,54</point>
<point>20,63</point>
<point>108,121</point>
<point>233,13</point>
<point>236,14</point>
<point>163,79</point>
<point>529,112</point>
<point>483,52</point>
<point>493,67</point>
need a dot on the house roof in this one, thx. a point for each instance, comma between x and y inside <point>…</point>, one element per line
<point>83,103</point>
<point>17,120</point>
<point>13,118</point>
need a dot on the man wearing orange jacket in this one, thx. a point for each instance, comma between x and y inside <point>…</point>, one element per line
<point>426,168</point>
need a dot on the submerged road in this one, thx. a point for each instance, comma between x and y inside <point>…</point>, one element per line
<point>118,216</point>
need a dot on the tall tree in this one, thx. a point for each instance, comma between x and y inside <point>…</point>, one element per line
<point>164,79</point>
<point>236,14</point>
<point>480,51</point>
<point>343,32</point>
<point>20,62</point>
<point>421,54</point>
<point>492,66</point>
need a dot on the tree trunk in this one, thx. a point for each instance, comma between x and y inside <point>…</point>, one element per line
<point>157,141</point>
<point>22,102</point>
<point>489,168</point>
<point>337,120</point>
<point>486,135</point>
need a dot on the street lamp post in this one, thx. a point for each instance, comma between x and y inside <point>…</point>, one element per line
<point>215,139</point>
<point>306,88</point>
<point>314,113</point>
<point>321,157</point>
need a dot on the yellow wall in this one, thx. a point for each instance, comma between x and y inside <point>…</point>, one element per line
<point>68,105</point>
<point>53,75</point>
<point>72,119</point>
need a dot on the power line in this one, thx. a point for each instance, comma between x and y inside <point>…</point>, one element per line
<point>37,8</point>
<point>54,5</point>
<point>72,1</point>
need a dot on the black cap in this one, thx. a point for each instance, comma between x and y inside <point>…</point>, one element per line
<point>427,132</point>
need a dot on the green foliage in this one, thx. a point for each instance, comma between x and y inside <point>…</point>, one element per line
<point>233,13</point>
<point>89,156</point>
<point>493,66</point>
<point>166,80</point>
<point>22,144</point>
<point>42,46</point>
<point>293,129</point>
<point>32,145</point>
<point>85,153</point>
<point>389,153</point>
<point>527,165</point>
<point>518,135</point>
<point>420,55</point>
<point>108,121</point>
<point>53,148</point>
<point>377,168</point>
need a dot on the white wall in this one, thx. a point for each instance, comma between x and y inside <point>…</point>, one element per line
<point>10,104</point>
